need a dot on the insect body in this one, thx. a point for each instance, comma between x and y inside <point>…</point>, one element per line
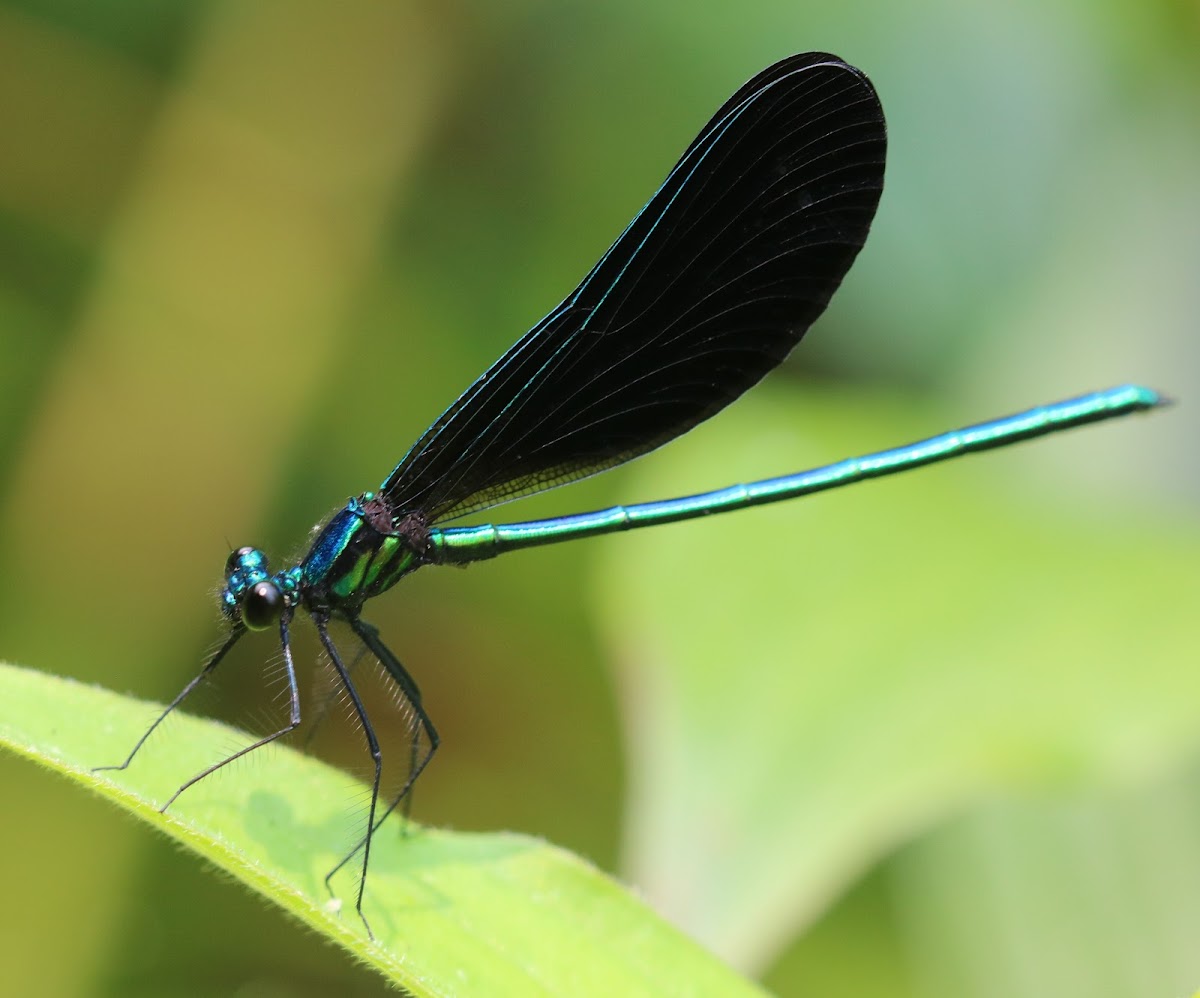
<point>709,287</point>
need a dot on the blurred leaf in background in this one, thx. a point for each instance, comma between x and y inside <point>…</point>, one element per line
<point>933,736</point>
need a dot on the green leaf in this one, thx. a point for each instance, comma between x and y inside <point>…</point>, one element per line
<point>454,914</point>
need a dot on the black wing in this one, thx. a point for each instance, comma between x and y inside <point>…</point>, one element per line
<point>709,287</point>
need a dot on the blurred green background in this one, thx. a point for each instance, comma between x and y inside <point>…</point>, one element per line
<point>938,736</point>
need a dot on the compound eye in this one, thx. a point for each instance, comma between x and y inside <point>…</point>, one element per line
<point>261,605</point>
<point>235,559</point>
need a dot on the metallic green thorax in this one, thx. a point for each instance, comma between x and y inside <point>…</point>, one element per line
<point>361,552</point>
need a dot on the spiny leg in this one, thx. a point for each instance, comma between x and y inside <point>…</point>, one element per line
<point>318,715</point>
<point>376,756</point>
<point>370,637</point>
<point>292,725</point>
<point>238,631</point>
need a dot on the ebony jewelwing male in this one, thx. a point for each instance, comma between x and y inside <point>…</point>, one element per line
<point>710,286</point>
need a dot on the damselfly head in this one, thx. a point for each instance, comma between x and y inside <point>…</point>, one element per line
<point>250,594</point>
